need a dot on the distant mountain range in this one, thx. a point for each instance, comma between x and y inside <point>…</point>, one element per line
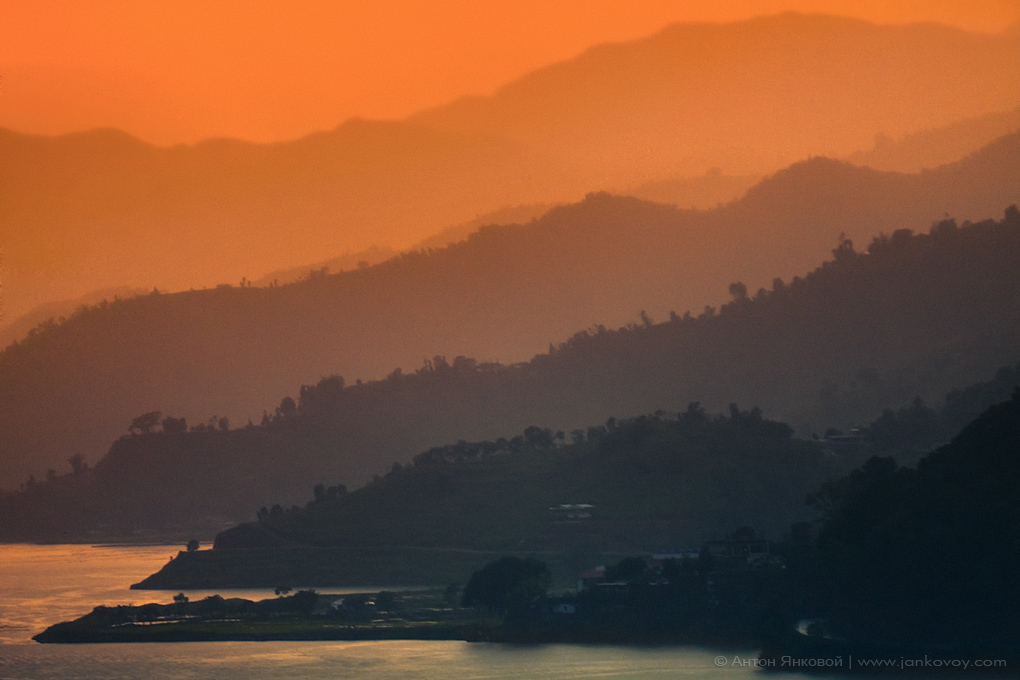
<point>376,254</point>
<point>929,149</point>
<point>745,96</point>
<point>100,209</point>
<point>57,311</point>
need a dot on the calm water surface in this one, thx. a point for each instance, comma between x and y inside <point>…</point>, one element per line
<point>40,585</point>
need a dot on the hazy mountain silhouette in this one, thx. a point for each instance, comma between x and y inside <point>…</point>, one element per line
<point>53,312</point>
<point>57,312</point>
<point>89,211</point>
<point>376,254</point>
<point>707,191</point>
<point>745,96</point>
<point>501,295</point>
<point>915,315</point>
<point>932,148</point>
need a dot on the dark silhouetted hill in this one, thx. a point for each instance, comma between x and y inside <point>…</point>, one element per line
<point>657,481</point>
<point>926,558</point>
<point>910,431</point>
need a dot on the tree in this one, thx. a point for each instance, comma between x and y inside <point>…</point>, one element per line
<point>78,464</point>
<point>845,250</point>
<point>192,545</point>
<point>145,422</point>
<point>304,601</point>
<point>287,408</point>
<point>739,291</point>
<point>540,438</point>
<point>630,569</point>
<point>173,425</point>
<point>508,583</point>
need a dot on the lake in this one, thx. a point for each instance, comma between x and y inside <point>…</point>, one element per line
<point>40,585</point>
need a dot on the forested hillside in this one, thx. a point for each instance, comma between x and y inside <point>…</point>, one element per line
<point>656,482</point>
<point>500,296</point>
<point>907,432</point>
<point>915,315</point>
<point>918,556</point>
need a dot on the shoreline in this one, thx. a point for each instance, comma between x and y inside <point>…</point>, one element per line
<point>67,633</point>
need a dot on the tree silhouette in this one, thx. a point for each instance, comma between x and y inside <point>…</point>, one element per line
<point>508,582</point>
<point>145,422</point>
<point>739,291</point>
<point>173,425</point>
<point>78,464</point>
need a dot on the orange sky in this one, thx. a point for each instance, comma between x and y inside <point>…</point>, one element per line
<point>178,71</point>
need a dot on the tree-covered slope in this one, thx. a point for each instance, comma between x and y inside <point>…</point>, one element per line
<point>927,556</point>
<point>910,431</point>
<point>915,315</point>
<point>655,482</point>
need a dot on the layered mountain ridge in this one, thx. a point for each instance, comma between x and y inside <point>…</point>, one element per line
<point>917,314</point>
<point>97,210</point>
<point>502,295</point>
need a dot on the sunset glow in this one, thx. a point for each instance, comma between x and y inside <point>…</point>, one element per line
<point>593,332</point>
<point>180,71</point>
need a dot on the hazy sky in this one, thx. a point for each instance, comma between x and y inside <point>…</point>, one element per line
<point>181,70</point>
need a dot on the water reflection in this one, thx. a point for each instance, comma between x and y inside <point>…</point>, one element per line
<point>40,585</point>
<point>388,660</point>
